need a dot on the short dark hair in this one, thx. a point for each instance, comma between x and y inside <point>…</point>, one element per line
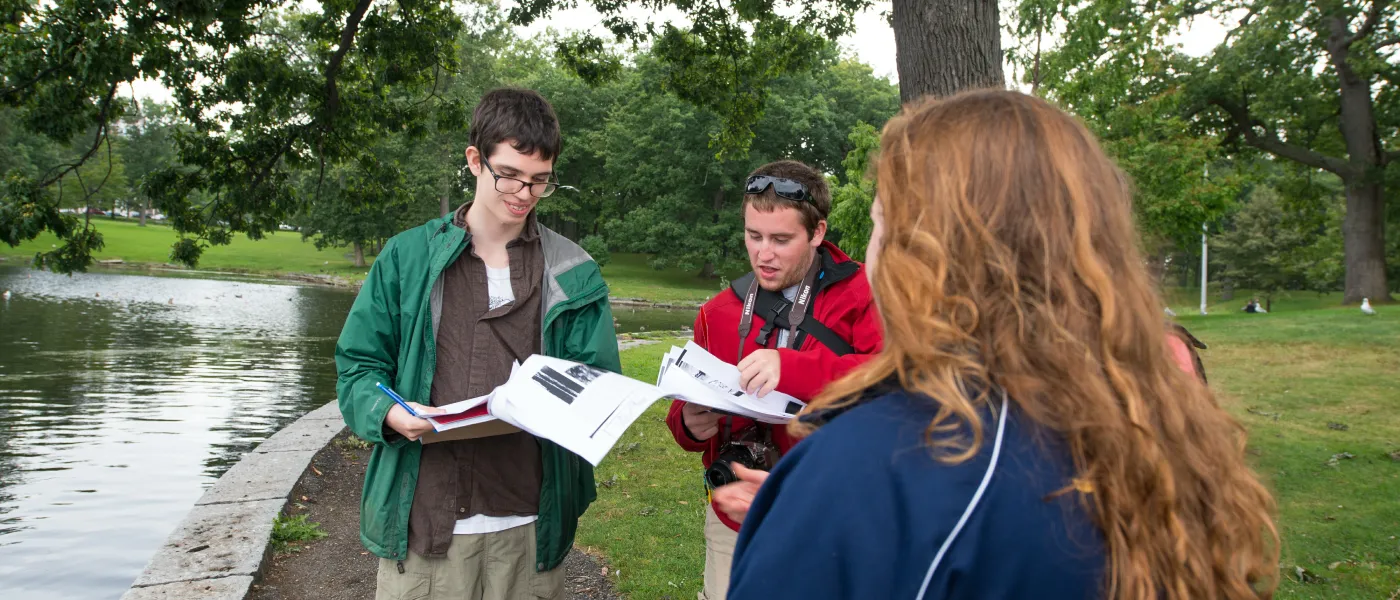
<point>516,114</point>
<point>813,211</point>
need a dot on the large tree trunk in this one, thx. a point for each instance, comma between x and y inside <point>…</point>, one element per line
<point>359,255</point>
<point>1363,229</point>
<point>145,208</point>
<point>444,203</point>
<point>946,46</point>
<point>1363,240</point>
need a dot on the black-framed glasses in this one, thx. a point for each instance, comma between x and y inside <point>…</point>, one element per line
<point>511,185</point>
<point>783,187</point>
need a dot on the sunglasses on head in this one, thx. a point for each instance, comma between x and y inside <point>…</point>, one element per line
<point>784,188</point>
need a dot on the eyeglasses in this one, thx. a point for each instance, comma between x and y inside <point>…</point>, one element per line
<point>784,188</point>
<point>511,185</point>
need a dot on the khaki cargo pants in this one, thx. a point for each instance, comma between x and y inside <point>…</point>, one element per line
<point>487,566</point>
<point>719,556</point>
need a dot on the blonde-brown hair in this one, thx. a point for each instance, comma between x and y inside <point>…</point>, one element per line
<point>1009,261</point>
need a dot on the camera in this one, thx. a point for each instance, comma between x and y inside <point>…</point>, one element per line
<point>750,453</point>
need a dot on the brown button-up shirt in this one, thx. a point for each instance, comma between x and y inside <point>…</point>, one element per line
<point>500,475</point>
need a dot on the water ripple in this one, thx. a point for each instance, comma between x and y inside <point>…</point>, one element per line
<point>118,407</point>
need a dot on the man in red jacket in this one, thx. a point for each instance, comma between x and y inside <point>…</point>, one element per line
<point>803,318</point>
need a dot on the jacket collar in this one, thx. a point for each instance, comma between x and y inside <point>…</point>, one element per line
<point>530,233</point>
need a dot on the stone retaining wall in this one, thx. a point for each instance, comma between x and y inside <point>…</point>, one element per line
<point>222,544</point>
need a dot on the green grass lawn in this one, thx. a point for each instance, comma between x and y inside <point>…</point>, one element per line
<point>628,275</point>
<point>649,515</point>
<point>1308,385</point>
<point>1287,376</point>
<point>280,252</point>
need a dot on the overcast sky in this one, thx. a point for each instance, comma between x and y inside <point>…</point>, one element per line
<point>872,42</point>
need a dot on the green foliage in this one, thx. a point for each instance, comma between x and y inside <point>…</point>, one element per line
<point>262,87</point>
<point>266,90</point>
<point>1267,250</point>
<point>289,533</point>
<point>850,202</point>
<point>680,203</point>
<point>596,247</point>
<point>726,60</point>
<point>1275,86</point>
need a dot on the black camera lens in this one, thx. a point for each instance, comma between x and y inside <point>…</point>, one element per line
<point>719,475</point>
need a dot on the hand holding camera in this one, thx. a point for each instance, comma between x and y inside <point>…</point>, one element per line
<point>734,499</point>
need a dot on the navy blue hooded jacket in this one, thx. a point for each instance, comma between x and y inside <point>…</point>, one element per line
<point>861,509</point>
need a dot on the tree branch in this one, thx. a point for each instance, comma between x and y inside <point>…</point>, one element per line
<point>1373,17</point>
<point>89,193</point>
<point>1248,127</point>
<point>272,162</point>
<point>347,38</point>
<point>96,141</point>
<point>5,93</point>
<point>1243,22</point>
<point>1387,41</point>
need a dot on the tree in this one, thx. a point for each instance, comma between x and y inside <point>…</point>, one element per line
<point>679,202</point>
<point>1267,249</point>
<point>851,201</point>
<point>264,89</point>
<point>724,60</point>
<point>946,46</point>
<point>361,205</point>
<point>1313,83</point>
<point>148,146</point>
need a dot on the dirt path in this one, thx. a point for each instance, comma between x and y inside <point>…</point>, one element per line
<point>337,567</point>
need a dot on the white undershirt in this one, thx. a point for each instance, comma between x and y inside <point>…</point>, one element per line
<point>789,293</point>
<point>499,292</point>
<point>498,288</point>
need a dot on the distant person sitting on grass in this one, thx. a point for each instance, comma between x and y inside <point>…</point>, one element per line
<point>445,311</point>
<point>1023,433</point>
<point>1254,307</point>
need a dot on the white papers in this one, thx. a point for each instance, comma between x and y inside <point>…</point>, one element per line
<point>579,407</point>
<point>586,409</point>
<point>694,375</point>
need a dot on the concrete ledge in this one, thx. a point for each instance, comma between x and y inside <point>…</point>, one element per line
<point>214,541</point>
<point>224,587</point>
<point>219,549</point>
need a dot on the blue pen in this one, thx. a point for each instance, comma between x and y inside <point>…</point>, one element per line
<point>397,398</point>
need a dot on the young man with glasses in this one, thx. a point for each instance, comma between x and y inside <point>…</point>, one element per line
<point>802,318</point>
<point>445,311</point>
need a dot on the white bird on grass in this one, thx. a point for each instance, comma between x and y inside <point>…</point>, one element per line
<point>1365,307</point>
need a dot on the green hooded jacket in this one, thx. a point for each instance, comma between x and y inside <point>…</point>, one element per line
<point>390,337</point>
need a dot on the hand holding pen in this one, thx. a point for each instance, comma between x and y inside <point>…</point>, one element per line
<point>407,417</point>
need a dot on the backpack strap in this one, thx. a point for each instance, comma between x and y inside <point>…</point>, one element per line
<point>774,309</point>
<point>1192,344</point>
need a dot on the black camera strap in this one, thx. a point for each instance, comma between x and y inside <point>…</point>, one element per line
<point>795,317</point>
